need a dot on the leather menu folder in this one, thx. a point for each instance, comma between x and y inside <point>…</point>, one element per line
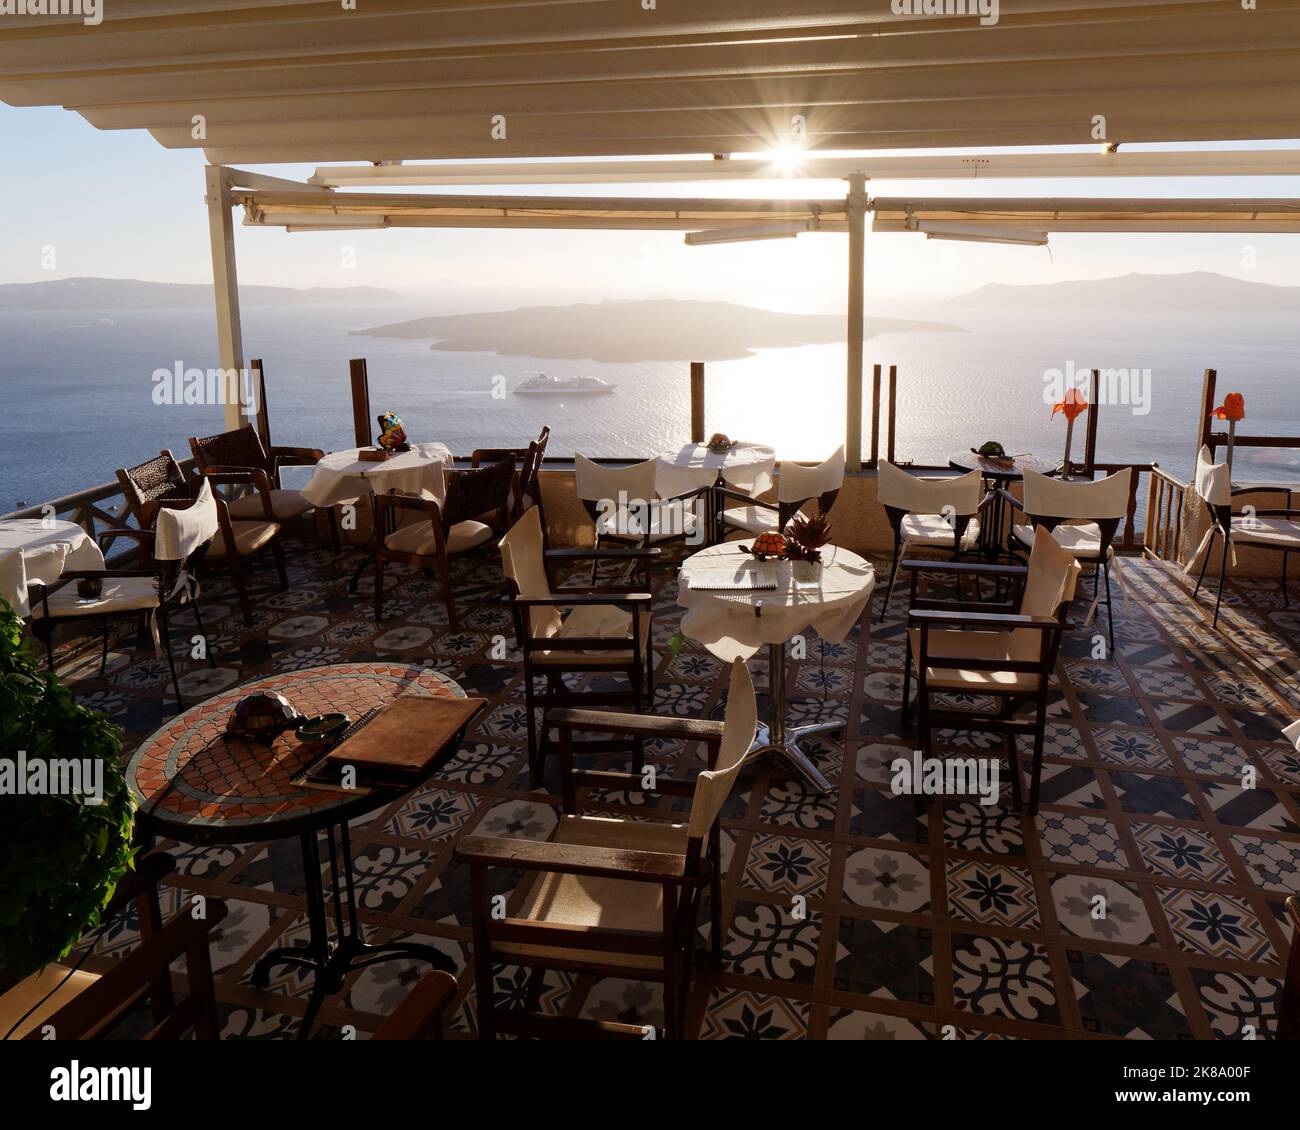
<point>402,742</point>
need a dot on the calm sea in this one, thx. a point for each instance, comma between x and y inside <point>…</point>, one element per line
<point>76,400</point>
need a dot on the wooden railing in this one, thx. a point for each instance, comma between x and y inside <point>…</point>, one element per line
<point>1163,533</point>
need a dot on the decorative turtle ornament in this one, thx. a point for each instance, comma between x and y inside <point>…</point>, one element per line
<point>991,450</point>
<point>262,717</point>
<point>770,544</point>
<point>718,443</point>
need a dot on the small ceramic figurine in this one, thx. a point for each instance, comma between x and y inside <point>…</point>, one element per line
<point>392,436</point>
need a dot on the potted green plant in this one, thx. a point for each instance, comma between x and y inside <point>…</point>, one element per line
<point>61,852</point>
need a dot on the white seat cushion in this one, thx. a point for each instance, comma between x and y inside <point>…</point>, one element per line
<point>933,529</point>
<point>120,594</point>
<point>418,538</point>
<point>284,504</point>
<point>1266,531</point>
<point>581,901</point>
<point>1080,541</point>
<point>249,538</point>
<point>755,519</point>
<point>595,621</point>
<point>955,644</point>
<point>667,520</point>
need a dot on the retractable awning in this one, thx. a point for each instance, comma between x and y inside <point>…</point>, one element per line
<point>257,81</point>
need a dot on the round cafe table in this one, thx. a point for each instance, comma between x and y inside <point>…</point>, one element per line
<point>736,623</point>
<point>196,784</point>
<point>47,547</point>
<point>746,466</point>
<point>343,476</point>
<point>993,531</point>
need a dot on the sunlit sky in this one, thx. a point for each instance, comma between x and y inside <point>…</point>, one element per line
<point>117,204</point>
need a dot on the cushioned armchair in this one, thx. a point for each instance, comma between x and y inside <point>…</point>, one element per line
<point>612,897</point>
<point>1005,651</point>
<point>796,486</point>
<point>528,492</point>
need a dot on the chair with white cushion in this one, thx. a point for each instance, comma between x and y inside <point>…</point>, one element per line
<point>612,896</point>
<point>624,506</point>
<point>1275,529</point>
<point>182,534</point>
<point>796,486</point>
<point>444,530</point>
<point>1005,651</point>
<point>1082,517</point>
<point>606,630</point>
<point>930,514</point>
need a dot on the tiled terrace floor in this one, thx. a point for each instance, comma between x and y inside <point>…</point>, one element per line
<point>921,922</point>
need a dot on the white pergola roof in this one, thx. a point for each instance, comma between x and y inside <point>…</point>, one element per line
<point>307,80</point>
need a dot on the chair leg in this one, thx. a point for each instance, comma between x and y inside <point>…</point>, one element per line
<point>1286,600</point>
<point>332,520</point>
<point>483,981</point>
<point>1223,577</point>
<point>1110,612</point>
<point>534,765</point>
<point>595,561</point>
<point>448,593</point>
<point>198,620</point>
<point>893,576</point>
<point>103,655</point>
<point>639,707</point>
<point>1040,731</point>
<point>277,551</point>
<point>1205,564</point>
<point>1012,754</point>
<point>379,588</point>
<point>164,630</point>
<point>907,677</point>
<point>715,902</point>
<point>237,575</point>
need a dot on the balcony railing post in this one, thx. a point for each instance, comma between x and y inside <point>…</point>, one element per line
<point>697,401</point>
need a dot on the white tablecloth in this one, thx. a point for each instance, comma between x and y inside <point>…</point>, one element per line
<point>725,623</point>
<point>47,548</point>
<point>341,477</point>
<point>747,467</point>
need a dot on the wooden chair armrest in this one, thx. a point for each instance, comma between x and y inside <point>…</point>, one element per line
<point>297,456</point>
<point>574,859</point>
<point>419,1016</point>
<point>141,536</point>
<point>228,477</point>
<point>694,492</point>
<point>1276,488</point>
<point>966,567</point>
<point>741,496</point>
<point>495,455</point>
<point>932,616</point>
<point>647,725</point>
<point>1006,496</point>
<point>125,980</point>
<point>580,554</point>
<point>580,599</point>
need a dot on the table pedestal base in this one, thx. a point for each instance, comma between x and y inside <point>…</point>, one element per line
<point>773,737</point>
<point>333,960</point>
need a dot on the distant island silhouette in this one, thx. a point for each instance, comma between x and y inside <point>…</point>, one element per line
<point>1188,290</point>
<point>637,330</point>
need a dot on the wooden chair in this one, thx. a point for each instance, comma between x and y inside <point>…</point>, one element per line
<point>930,514</point>
<point>956,648</point>
<point>79,1005</point>
<point>420,1015</point>
<point>1082,517</point>
<point>1288,1006</point>
<point>241,450</point>
<point>1275,529</point>
<point>610,896</point>
<point>170,553</point>
<point>160,481</point>
<point>624,507</point>
<point>454,527</point>
<point>795,488</point>
<point>607,630</point>
<point>528,491</point>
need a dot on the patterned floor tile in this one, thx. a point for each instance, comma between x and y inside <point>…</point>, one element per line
<point>1104,910</point>
<point>1149,795</point>
<point>1127,997</point>
<point>1084,840</point>
<point>789,864</point>
<point>738,1014</point>
<point>851,1024</point>
<point>1274,863</point>
<point>996,977</point>
<point>1238,1006</point>
<point>888,880</point>
<point>1215,924</point>
<point>768,941</point>
<point>1132,748</point>
<point>1184,853</point>
<point>885,959</point>
<point>992,893</point>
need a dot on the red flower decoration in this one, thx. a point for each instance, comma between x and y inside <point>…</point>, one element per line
<point>1073,405</point>
<point>1232,408</point>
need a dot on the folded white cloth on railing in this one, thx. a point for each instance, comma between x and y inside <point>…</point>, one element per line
<point>748,467</point>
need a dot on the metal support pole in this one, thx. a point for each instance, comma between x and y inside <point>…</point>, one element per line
<point>856,202</point>
<point>225,285</point>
